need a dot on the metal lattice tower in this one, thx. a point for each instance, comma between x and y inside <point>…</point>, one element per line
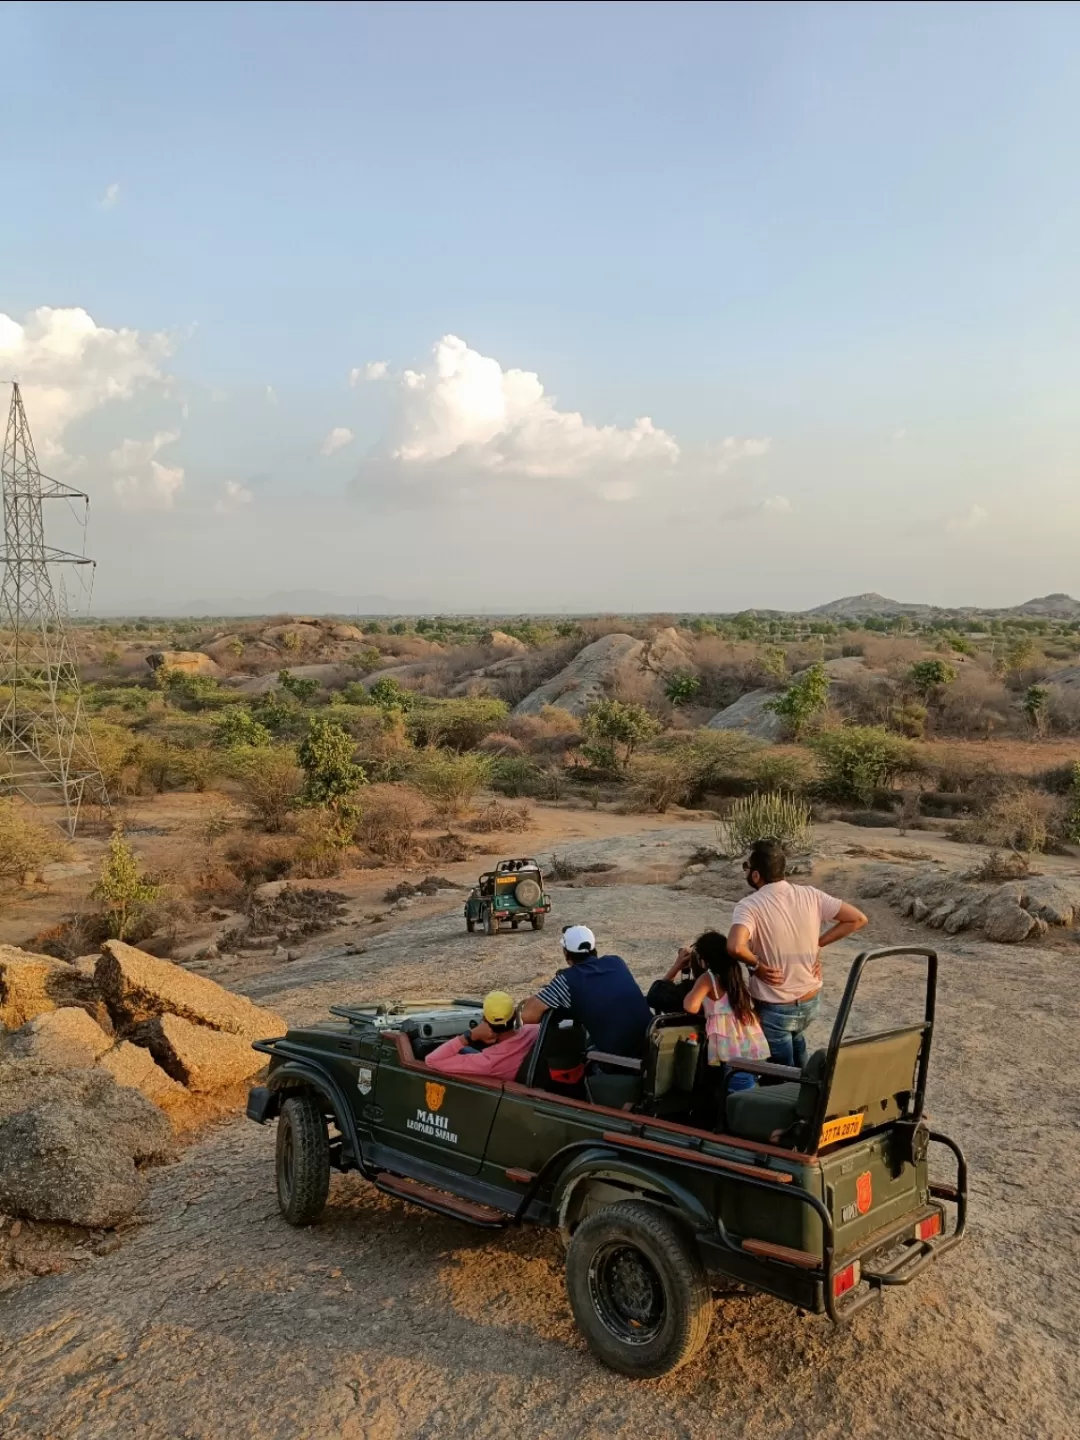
<point>47,754</point>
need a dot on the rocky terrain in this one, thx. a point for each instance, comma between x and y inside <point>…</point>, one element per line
<point>213,1318</point>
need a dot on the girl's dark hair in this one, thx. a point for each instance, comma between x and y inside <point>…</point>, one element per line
<point>711,949</point>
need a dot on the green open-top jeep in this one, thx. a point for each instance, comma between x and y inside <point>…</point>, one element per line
<point>817,1190</point>
<point>509,894</point>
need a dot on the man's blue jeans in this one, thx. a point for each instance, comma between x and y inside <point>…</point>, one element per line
<point>784,1026</point>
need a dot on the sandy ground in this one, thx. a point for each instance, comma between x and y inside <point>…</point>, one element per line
<point>215,1319</point>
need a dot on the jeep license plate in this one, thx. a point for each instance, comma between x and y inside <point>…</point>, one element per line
<point>846,1128</point>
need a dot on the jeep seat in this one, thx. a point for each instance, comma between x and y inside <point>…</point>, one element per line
<point>873,1075</point>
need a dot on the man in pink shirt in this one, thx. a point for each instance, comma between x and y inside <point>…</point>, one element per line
<point>494,1049</point>
<point>778,933</point>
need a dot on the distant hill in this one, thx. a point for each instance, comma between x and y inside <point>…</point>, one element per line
<point>862,607</point>
<point>282,602</point>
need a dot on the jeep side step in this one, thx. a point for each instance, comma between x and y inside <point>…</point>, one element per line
<point>428,1198</point>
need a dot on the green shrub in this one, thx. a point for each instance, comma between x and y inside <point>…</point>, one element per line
<point>803,700</point>
<point>26,845</point>
<point>123,889</point>
<point>331,774</point>
<point>270,782</point>
<point>236,726</point>
<point>613,731</point>
<point>857,760</point>
<point>926,676</point>
<point>681,689</point>
<point>792,771</point>
<point>770,816</point>
<point>389,695</point>
<point>450,781</point>
<point>455,724</point>
<point>301,687</point>
<point>515,775</point>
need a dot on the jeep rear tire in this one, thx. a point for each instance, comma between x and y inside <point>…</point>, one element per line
<point>302,1160</point>
<point>637,1289</point>
<point>470,925</point>
<point>491,924</point>
<point>527,893</point>
<point>537,921</point>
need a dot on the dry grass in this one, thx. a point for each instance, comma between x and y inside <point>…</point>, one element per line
<point>500,818</point>
<point>389,819</point>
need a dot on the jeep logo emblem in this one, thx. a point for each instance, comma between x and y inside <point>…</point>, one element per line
<point>434,1095</point>
<point>864,1192</point>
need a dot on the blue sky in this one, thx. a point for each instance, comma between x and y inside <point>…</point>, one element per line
<point>828,251</point>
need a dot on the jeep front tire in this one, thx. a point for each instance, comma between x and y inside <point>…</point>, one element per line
<point>637,1289</point>
<point>302,1160</point>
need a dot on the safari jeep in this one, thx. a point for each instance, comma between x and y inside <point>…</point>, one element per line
<point>817,1190</point>
<point>512,892</point>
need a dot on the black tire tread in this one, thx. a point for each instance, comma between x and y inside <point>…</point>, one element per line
<point>311,1159</point>
<point>682,1272</point>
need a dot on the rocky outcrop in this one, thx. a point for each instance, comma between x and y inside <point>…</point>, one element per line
<point>325,674</point>
<point>188,662</point>
<point>667,654</point>
<point>588,677</point>
<point>73,1144</point>
<point>751,714</point>
<point>1009,913</point>
<point>33,984</point>
<point>508,644</point>
<point>203,1060</point>
<point>57,1039</point>
<point>345,632</point>
<point>139,987</point>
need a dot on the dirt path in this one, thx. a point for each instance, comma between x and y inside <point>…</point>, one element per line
<point>214,1319</point>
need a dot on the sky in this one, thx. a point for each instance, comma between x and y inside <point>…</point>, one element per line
<point>646,307</point>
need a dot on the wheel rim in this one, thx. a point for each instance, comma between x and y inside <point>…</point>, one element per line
<point>285,1171</point>
<point>627,1293</point>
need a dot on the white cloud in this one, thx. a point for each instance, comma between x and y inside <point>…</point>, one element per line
<point>337,439</point>
<point>469,415</point>
<point>143,482</point>
<point>723,454</point>
<point>971,519</point>
<point>236,496</point>
<point>373,370</point>
<point>111,196</point>
<point>68,365</point>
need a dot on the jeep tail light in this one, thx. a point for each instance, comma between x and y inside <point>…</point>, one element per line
<point>846,1279</point>
<point>927,1229</point>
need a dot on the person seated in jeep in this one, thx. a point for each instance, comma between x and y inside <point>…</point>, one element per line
<point>493,1049</point>
<point>599,992</point>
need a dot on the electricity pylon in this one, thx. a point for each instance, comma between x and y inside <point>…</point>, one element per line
<point>47,753</point>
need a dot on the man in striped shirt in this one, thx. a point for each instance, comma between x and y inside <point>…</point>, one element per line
<point>599,992</point>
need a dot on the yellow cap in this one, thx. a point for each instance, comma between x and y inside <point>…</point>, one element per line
<point>498,1008</point>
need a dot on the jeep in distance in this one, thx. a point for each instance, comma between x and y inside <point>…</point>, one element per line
<point>511,893</point>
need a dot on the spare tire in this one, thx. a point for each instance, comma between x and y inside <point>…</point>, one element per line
<point>527,893</point>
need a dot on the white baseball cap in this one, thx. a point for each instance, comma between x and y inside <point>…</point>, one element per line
<point>578,939</point>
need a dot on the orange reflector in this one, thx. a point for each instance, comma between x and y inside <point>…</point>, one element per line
<point>927,1229</point>
<point>846,1279</point>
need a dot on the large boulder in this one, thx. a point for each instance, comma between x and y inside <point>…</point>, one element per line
<point>139,987</point>
<point>203,1060</point>
<point>136,1068</point>
<point>296,635</point>
<point>667,654</point>
<point>324,674</point>
<point>588,677</point>
<point>346,632</point>
<point>32,984</point>
<point>71,1144</point>
<point>750,715</point>
<point>508,644</point>
<point>1007,921</point>
<point>188,662</point>
<point>57,1039</point>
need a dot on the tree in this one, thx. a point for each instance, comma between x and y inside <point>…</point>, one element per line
<point>681,689</point>
<point>613,731</point>
<point>26,846</point>
<point>389,695</point>
<point>123,889</point>
<point>1019,653</point>
<point>331,775</point>
<point>805,698</point>
<point>236,727</point>
<point>270,782</point>
<point>1035,702</point>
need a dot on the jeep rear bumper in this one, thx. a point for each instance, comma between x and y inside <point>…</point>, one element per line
<point>891,1256</point>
